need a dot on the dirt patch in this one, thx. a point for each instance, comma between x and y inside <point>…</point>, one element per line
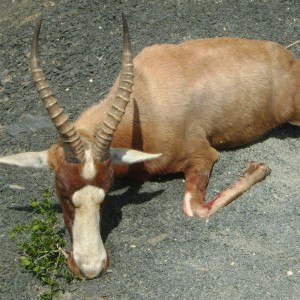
<point>250,250</point>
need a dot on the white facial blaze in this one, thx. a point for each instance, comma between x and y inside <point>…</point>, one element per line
<point>89,170</point>
<point>88,250</point>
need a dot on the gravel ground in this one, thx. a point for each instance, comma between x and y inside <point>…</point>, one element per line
<point>250,250</point>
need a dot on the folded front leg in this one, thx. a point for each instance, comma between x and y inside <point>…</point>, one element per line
<point>196,180</point>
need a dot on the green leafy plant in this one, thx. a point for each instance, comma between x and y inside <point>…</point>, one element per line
<point>41,243</point>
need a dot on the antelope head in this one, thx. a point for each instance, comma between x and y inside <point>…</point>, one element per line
<point>83,165</point>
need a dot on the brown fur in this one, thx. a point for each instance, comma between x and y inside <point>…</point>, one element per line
<point>68,180</point>
<point>193,98</point>
<point>189,100</point>
<point>186,98</point>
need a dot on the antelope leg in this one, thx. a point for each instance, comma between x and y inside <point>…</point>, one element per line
<point>254,173</point>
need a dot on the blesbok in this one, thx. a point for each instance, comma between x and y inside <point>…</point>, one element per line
<point>183,103</point>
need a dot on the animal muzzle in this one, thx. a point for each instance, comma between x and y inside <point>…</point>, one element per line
<point>85,271</point>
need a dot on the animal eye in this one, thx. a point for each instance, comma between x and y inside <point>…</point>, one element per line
<point>64,197</point>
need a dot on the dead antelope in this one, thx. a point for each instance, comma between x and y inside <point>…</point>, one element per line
<point>182,103</point>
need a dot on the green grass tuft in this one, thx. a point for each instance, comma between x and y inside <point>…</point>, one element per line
<point>41,241</point>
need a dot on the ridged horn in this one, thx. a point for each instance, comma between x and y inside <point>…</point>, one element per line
<point>106,130</point>
<point>72,144</point>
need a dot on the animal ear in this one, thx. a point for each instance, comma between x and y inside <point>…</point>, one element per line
<point>37,160</point>
<point>128,156</point>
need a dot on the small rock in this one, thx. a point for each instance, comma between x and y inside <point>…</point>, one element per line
<point>157,239</point>
<point>201,269</point>
<point>16,187</point>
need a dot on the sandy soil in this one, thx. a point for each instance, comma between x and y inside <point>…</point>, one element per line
<point>250,250</point>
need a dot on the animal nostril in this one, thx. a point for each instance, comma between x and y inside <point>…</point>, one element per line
<point>91,275</point>
<point>73,266</point>
<point>95,272</point>
<point>105,265</point>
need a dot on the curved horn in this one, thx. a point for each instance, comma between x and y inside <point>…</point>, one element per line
<point>72,144</point>
<point>105,133</point>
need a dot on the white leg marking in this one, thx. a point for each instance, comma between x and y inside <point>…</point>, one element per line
<point>187,209</point>
<point>88,249</point>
